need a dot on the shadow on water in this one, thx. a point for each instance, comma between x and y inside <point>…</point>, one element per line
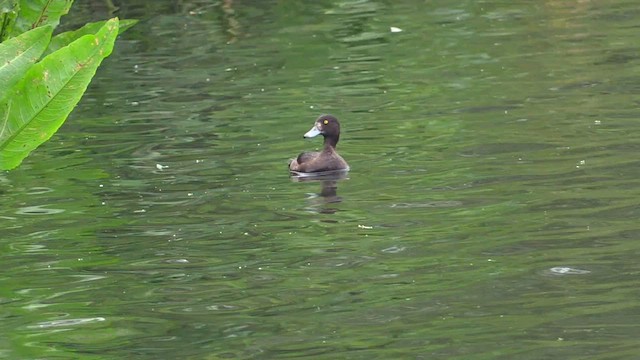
<point>328,188</point>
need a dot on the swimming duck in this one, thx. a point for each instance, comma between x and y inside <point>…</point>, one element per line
<point>327,159</point>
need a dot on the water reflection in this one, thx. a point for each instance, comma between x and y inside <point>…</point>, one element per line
<point>328,188</point>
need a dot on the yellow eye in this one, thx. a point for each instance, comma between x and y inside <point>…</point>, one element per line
<point>326,122</point>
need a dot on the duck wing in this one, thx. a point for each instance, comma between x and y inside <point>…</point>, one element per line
<point>306,157</point>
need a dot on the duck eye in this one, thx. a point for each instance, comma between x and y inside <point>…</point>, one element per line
<point>325,122</point>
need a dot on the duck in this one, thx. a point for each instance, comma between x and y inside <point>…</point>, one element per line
<point>321,161</point>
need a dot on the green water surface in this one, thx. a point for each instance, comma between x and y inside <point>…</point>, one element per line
<point>491,211</point>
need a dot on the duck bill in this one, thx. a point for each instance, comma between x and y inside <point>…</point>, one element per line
<point>312,133</point>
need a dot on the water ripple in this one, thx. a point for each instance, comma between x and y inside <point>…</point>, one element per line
<point>66,322</point>
<point>38,210</point>
<point>564,270</point>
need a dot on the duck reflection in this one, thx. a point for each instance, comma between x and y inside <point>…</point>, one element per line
<point>328,188</point>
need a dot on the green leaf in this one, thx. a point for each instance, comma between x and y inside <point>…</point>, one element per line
<point>7,4</point>
<point>8,15</point>
<point>65,38</point>
<point>43,99</point>
<point>36,13</point>
<point>19,53</point>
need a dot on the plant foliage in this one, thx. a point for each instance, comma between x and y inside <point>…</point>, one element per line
<point>43,77</point>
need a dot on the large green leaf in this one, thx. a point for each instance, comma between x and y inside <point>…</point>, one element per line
<point>65,38</point>
<point>36,13</point>
<point>19,53</point>
<point>43,99</point>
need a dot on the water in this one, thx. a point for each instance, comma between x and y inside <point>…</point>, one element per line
<point>490,212</point>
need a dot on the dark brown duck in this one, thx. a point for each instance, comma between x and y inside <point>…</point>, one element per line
<point>327,159</point>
